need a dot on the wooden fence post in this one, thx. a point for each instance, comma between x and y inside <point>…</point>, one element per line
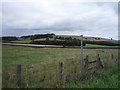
<point>112,56</point>
<point>98,62</point>
<point>62,81</point>
<point>85,64</point>
<point>18,75</point>
<point>44,81</point>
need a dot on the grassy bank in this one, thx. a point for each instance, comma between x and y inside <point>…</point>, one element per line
<point>106,78</point>
<point>21,41</point>
<point>40,66</point>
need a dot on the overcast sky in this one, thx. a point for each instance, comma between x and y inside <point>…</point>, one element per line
<point>60,17</point>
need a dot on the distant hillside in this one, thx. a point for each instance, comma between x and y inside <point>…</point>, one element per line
<point>52,36</point>
<point>87,38</point>
<point>52,39</point>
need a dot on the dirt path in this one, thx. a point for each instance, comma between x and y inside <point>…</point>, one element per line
<point>55,46</point>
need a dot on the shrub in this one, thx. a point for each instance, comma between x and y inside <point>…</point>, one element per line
<point>55,42</point>
<point>9,38</point>
<point>107,43</point>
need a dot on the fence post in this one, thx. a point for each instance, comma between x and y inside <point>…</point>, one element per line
<point>112,56</point>
<point>18,74</point>
<point>81,56</point>
<point>44,81</point>
<point>85,64</point>
<point>62,81</point>
<point>98,62</point>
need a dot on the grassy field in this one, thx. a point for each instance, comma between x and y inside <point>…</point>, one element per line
<point>49,39</point>
<point>40,66</point>
<point>85,37</point>
<point>73,36</point>
<point>28,41</point>
<point>93,45</point>
<point>21,41</point>
<point>65,36</point>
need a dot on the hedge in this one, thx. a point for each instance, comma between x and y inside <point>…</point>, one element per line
<point>107,43</point>
<point>55,42</point>
<point>9,38</point>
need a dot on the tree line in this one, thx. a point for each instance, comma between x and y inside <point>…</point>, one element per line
<point>58,40</point>
<point>39,36</point>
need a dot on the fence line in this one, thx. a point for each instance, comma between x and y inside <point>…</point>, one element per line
<point>18,74</point>
<point>86,68</point>
<point>96,67</point>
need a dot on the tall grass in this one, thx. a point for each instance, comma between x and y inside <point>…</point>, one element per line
<point>106,78</point>
<point>40,66</point>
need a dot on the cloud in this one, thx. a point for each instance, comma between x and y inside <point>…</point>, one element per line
<point>60,17</point>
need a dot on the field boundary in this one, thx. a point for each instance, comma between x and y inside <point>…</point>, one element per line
<point>56,46</point>
<point>87,71</point>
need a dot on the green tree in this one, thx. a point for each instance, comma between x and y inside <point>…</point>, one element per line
<point>47,39</point>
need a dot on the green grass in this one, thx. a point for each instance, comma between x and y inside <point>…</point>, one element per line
<point>106,78</point>
<point>21,41</point>
<point>15,53</point>
<point>73,36</point>
<point>45,62</point>
<point>40,39</point>
<point>93,45</point>
<point>87,45</point>
<point>49,39</point>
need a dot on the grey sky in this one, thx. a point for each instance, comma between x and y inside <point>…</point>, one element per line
<point>60,17</point>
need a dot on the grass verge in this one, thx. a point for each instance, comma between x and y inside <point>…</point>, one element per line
<point>105,78</point>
